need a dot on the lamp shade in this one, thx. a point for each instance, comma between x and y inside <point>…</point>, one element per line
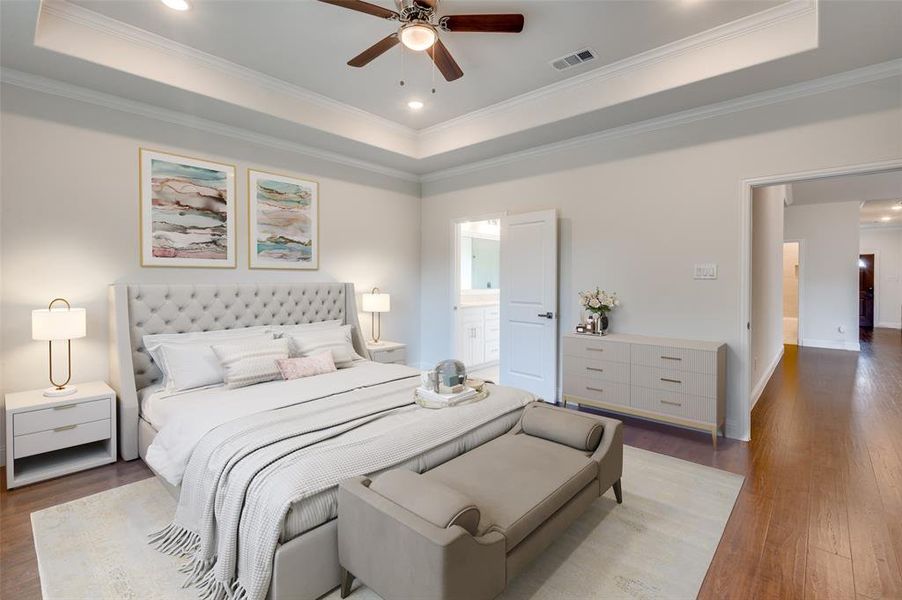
<point>50,324</point>
<point>376,302</point>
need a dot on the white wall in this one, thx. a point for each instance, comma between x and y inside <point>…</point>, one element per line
<point>767,283</point>
<point>829,277</point>
<point>637,212</point>
<point>791,280</point>
<point>70,225</point>
<point>887,245</point>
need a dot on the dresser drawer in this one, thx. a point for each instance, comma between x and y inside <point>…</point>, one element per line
<point>686,406</point>
<point>596,348</point>
<point>681,359</point>
<point>671,380</point>
<point>61,437</point>
<point>601,391</point>
<point>67,414</point>
<point>390,355</point>
<point>597,370</point>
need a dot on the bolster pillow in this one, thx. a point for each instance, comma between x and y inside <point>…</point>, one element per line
<point>430,500</point>
<point>561,425</point>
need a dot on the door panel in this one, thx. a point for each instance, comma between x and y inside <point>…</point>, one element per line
<point>866,290</point>
<point>529,302</point>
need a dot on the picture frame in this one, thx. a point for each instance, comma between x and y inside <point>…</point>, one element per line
<point>186,211</point>
<point>283,221</point>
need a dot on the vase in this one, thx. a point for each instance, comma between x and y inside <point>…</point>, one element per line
<point>602,324</point>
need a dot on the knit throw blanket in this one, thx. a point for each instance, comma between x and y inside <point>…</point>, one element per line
<point>244,476</point>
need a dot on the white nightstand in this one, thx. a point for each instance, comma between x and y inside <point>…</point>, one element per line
<point>388,352</point>
<point>49,437</point>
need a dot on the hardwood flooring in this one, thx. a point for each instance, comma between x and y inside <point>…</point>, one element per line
<point>819,515</point>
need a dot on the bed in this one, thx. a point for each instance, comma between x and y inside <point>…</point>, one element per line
<point>305,560</point>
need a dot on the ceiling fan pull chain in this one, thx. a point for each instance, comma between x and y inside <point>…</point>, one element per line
<point>403,66</point>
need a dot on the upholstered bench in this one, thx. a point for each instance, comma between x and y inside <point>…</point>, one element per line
<point>467,527</point>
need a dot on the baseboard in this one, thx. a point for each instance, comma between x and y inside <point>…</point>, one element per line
<point>768,373</point>
<point>890,324</point>
<point>831,344</point>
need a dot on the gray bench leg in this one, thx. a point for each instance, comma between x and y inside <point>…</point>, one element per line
<point>618,493</point>
<point>347,579</point>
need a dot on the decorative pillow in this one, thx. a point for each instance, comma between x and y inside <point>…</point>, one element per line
<point>290,330</point>
<point>186,359</point>
<point>251,362</point>
<point>336,339</point>
<point>307,366</point>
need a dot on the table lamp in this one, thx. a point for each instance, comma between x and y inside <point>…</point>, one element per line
<point>57,324</point>
<point>376,302</point>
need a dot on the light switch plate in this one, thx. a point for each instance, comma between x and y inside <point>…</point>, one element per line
<point>705,271</point>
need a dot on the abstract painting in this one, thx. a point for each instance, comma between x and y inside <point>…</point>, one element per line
<point>282,221</point>
<point>187,211</point>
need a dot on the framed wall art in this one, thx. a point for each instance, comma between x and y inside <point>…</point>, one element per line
<point>283,221</point>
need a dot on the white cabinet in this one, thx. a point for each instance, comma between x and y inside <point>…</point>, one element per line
<point>478,335</point>
<point>675,381</point>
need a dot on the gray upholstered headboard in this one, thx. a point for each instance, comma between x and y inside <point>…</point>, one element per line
<point>137,310</point>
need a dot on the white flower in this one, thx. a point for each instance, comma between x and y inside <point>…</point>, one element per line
<point>594,303</point>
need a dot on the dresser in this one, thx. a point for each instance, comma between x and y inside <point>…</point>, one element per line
<point>52,436</point>
<point>676,381</point>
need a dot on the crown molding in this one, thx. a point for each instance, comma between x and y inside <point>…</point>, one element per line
<point>73,92</point>
<point>79,15</point>
<point>852,78</point>
<point>793,9</point>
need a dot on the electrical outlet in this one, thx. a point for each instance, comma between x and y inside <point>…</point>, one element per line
<point>705,271</point>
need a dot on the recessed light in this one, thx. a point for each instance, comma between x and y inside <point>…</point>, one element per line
<point>885,219</point>
<point>897,206</point>
<point>414,105</point>
<point>177,4</point>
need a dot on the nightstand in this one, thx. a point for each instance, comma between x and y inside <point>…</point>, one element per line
<point>51,436</point>
<point>388,352</point>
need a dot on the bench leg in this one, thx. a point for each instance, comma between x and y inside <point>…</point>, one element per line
<point>347,579</point>
<point>618,493</point>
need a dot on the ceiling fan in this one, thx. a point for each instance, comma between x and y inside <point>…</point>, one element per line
<point>420,27</point>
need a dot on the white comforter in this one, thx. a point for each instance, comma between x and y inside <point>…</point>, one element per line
<point>206,409</point>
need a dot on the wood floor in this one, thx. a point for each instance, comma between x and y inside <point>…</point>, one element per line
<point>819,516</point>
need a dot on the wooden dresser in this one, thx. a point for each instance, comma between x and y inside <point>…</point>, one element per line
<point>671,380</point>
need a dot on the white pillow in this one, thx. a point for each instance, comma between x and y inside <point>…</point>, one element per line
<point>251,361</point>
<point>336,339</point>
<point>186,359</point>
<point>290,330</point>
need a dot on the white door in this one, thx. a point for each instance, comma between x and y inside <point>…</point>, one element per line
<point>529,302</point>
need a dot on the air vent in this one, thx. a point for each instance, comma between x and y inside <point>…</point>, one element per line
<point>571,60</point>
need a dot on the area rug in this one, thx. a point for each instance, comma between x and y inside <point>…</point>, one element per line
<point>657,544</point>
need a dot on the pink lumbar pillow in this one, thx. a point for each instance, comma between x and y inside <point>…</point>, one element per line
<point>307,366</point>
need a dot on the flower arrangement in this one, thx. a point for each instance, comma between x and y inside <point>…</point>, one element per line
<point>599,301</point>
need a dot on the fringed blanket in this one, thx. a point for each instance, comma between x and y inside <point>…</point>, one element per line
<point>243,476</point>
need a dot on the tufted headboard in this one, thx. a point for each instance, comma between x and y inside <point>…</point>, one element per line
<point>137,310</point>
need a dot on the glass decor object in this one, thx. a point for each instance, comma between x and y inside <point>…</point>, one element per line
<point>450,376</point>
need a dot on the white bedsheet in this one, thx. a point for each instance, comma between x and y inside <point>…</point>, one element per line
<point>183,419</point>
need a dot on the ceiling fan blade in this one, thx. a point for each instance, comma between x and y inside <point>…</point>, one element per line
<point>374,51</point>
<point>444,61</point>
<point>364,7</point>
<point>483,23</point>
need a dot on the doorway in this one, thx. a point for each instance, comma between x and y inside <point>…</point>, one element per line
<point>477,296</point>
<point>791,258</point>
<point>866,264</point>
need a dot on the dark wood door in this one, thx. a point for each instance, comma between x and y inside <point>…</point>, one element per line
<point>866,290</point>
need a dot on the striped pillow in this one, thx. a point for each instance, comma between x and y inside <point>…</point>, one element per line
<point>336,339</point>
<point>251,362</point>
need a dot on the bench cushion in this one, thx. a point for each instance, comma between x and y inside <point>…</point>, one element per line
<point>428,499</point>
<point>568,427</point>
<point>517,481</point>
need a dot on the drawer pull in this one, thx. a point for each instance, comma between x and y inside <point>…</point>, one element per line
<point>596,349</point>
<point>64,406</point>
<point>594,369</point>
<point>671,403</point>
<point>65,427</point>
<point>671,358</point>
<point>671,380</point>
<point>594,389</point>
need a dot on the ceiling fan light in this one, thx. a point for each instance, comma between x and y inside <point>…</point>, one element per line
<point>418,36</point>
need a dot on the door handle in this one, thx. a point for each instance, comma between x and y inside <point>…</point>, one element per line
<point>547,315</point>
